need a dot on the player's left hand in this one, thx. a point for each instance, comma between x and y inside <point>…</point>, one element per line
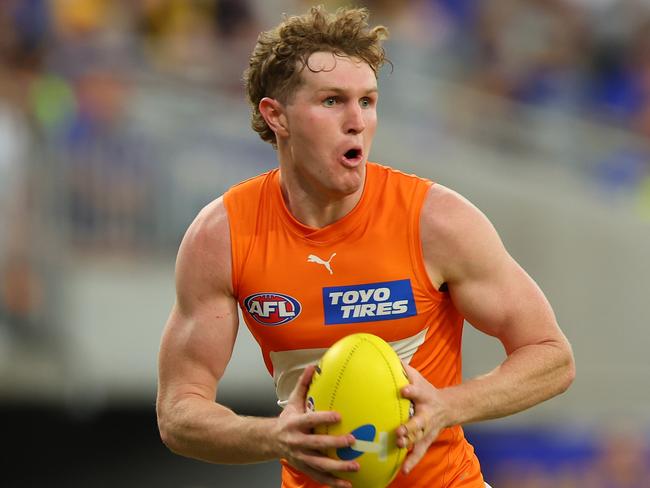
<point>427,422</point>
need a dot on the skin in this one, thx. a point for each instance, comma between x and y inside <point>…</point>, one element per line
<point>332,110</point>
<point>335,108</point>
<point>462,248</point>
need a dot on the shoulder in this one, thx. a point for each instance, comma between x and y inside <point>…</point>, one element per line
<point>209,229</point>
<point>450,214</point>
<point>203,261</point>
<point>378,170</point>
<point>251,187</point>
<point>242,201</point>
<point>398,187</point>
<point>456,235</point>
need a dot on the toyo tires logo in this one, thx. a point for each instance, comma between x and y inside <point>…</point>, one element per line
<point>369,302</point>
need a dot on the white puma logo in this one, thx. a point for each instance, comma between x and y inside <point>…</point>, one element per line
<point>315,259</point>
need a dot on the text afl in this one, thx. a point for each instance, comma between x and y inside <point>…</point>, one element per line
<point>272,309</point>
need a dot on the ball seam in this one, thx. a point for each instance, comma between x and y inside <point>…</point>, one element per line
<point>392,375</point>
<point>339,377</point>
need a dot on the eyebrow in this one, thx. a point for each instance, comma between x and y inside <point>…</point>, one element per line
<point>341,90</point>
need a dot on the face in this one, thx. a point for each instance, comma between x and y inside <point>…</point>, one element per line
<point>330,123</point>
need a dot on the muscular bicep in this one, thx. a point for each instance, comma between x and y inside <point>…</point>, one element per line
<point>492,291</point>
<point>501,299</point>
<point>200,333</point>
<point>196,347</point>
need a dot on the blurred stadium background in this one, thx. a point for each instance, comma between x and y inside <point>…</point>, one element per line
<point>120,119</point>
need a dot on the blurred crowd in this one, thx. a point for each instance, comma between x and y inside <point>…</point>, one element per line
<point>615,457</point>
<point>69,71</point>
<point>72,153</point>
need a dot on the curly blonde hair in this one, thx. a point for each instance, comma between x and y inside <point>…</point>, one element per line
<point>281,54</point>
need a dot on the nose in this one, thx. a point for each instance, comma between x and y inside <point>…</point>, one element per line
<point>355,122</point>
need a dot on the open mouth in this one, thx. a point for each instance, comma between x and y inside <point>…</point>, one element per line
<point>352,153</point>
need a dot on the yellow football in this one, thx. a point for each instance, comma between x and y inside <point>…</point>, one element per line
<point>360,376</point>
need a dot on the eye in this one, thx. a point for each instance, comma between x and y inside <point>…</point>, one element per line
<point>329,101</point>
<point>365,102</point>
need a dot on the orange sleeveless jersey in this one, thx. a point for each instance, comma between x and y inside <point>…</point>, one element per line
<point>301,289</point>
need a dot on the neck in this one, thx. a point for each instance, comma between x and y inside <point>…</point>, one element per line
<point>313,206</point>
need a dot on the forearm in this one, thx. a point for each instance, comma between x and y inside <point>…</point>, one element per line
<point>197,428</point>
<point>528,376</point>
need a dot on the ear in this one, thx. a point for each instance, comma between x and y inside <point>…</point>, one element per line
<point>275,116</point>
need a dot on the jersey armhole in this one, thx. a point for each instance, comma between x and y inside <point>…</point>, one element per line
<point>417,254</point>
<point>234,255</point>
<point>241,242</point>
<point>243,206</point>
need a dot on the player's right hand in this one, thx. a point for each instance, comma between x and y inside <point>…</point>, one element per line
<point>303,449</point>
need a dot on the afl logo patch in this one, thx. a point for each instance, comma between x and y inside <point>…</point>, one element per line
<point>272,309</point>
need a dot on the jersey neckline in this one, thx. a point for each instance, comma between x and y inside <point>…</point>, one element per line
<point>336,231</point>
